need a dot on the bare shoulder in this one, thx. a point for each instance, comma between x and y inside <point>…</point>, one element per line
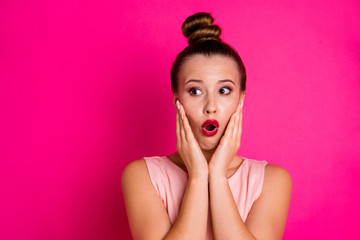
<point>134,170</point>
<point>267,217</point>
<point>147,219</point>
<point>135,165</point>
<point>277,177</point>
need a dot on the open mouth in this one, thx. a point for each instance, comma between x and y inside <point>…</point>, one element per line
<point>210,127</point>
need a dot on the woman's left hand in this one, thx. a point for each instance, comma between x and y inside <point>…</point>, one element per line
<point>229,144</point>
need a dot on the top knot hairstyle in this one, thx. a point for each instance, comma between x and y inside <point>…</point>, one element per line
<point>204,38</point>
<point>198,27</point>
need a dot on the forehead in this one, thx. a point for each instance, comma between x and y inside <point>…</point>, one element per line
<point>209,68</point>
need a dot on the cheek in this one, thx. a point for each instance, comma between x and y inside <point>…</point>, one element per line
<point>228,113</point>
<point>193,118</point>
<point>228,109</point>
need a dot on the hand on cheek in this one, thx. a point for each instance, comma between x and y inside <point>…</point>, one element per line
<point>188,147</point>
<point>229,144</point>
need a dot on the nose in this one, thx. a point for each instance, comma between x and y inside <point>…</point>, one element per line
<point>210,107</point>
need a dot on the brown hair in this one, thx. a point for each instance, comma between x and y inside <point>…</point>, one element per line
<point>203,38</point>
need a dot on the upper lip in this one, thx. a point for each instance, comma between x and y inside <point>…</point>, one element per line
<point>210,121</point>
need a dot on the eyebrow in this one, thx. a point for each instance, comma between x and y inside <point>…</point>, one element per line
<point>201,81</point>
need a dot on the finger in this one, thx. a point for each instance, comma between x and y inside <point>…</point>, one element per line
<point>240,124</point>
<point>182,131</point>
<point>230,127</point>
<point>239,131</point>
<point>188,131</point>
<point>237,122</point>
<point>238,108</point>
<point>236,127</point>
<point>178,137</point>
<point>186,125</point>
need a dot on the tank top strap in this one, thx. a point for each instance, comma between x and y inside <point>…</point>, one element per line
<point>246,185</point>
<point>169,181</point>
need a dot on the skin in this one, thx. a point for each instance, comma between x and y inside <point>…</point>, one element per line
<point>209,99</point>
<point>209,162</point>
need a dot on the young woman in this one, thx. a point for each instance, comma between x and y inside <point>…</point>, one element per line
<point>205,190</point>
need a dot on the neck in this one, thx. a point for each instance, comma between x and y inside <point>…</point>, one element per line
<point>208,154</point>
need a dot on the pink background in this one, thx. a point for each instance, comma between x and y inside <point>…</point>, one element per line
<point>85,89</point>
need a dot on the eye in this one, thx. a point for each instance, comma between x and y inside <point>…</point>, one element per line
<point>225,90</point>
<point>193,91</point>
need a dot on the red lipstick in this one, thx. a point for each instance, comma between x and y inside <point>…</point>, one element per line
<point>210,127</point>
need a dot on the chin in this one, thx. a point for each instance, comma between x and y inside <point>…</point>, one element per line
<point>208,145</point>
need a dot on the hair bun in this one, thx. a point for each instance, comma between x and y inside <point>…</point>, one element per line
<point>198,27</point>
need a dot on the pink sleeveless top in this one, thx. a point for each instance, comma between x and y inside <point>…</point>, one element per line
<point>170,182</point>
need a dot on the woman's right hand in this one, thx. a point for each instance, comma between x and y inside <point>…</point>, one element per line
<point>188,147</point>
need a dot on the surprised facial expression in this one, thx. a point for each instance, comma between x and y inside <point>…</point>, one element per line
<point>209,89</point>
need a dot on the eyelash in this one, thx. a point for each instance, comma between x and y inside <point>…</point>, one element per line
<point>192,89</point>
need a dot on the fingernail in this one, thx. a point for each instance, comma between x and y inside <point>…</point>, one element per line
<point>177,104</point>
<point>235,114</point>
<point>182,116</point>
<point>242,103</point>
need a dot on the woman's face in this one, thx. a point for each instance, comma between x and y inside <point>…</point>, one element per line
<point>208,88</point>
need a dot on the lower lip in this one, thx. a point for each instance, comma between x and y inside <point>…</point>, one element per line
<point>209,133</point>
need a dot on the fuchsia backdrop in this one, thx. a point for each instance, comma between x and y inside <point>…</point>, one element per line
<point>78,79</point>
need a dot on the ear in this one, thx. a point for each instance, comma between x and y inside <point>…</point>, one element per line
<point>242,97</point>
<point>175,97</point>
